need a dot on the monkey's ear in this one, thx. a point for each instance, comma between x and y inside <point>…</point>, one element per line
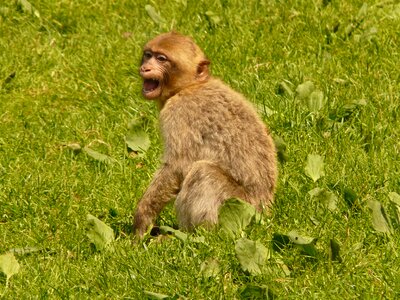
<point>202,70</point>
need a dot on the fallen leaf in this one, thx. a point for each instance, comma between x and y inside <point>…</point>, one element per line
<point>314,167</point>
<point>284,88</point>
<point>155,296</point>
<point>99,233</point>
<point>298,239</point>
<point>316,101</point>
<point>137,140</point>
<point>10,77</point>
<point>234,216</point>
<point>304,90</point>
<point>183,2</point>
<point>154,15</point>
<point>210,268</point>
<point>31,250</point>
<point>75,147</point>
<point>350,197</point>
<point>214,18</point>
<point>327,198</point>
<point>280,147</point>
<point>395,199</point>
<point>362,13</point>
<point>177,233</point>
<point>251,255</point>
<point>98,156</point>
<point>251,291</point>
<point>305,243</point>
<point>29,8</point>
<point>379,220</point>
<point>335,251</point>
<point>9,266</point>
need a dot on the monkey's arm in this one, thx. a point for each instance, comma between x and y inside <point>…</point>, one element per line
<point>164,186</point>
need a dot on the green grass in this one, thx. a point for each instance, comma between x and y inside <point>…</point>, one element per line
<point>76,81</point>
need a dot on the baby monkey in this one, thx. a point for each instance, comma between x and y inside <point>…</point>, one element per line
<point>215,145</point>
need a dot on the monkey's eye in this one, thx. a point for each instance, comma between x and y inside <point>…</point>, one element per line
<point>161,58</point>
<point>147,55</point>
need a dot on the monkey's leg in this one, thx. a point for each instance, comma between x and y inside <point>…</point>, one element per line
<point>203,191</point>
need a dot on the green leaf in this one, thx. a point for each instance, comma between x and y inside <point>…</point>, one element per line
<point>210,268</point>
<point>265,110</point>
<point>335,251</point>
<point>9,266</point>
<point>328,198</point>
<point>251,255</point>
<point>280,147</point>
<point>306,244</point>
<point>99,233</point>
<point>177,233</point>
<point>379,220</point>
<point>395,199</point>
<point>75,147</point>
<point>394,13</point>
<point>30,250</point>
<point>284,88</point>
<point>214,18</point>
<point>362,13</point>
<point>297,239</point>
<point>137,140</point>
<point>154,15</point>
<point>183,2</point>
<point>235,215</point>
<point>369,34</point>
<point>314,167</point>
<point>347,110</point>
<point>252,291</point>
<point>28,7</point>
<point>155,296</point>
<point>316,101</point>
<point>9,78</point>
<point>283,267</point>
<point>198,239</point>
<point>304,90</point>
<point>98,156</point>
<point>350,197</point>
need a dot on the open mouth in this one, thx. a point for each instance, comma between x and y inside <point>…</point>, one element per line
<point>150,85</point>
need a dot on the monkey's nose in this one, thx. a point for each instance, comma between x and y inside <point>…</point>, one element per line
<point>144,69</point>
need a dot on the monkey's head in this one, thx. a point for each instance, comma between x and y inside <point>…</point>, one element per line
<point>170,63</point>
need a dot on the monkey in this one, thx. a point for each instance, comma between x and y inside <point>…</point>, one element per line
<point>216,147</point>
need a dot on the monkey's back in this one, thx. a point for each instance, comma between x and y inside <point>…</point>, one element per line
<point>219,125</point>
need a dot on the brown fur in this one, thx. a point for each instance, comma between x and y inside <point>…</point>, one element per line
<point>215,145</point>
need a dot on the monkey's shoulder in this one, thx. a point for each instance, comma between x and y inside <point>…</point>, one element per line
<point>215,89</point>
<point>211,97</point>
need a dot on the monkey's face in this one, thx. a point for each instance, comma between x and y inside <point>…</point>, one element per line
<point>154,71</point>
<point>170,63</point>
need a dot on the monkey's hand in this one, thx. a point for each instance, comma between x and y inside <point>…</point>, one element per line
<point>163,188</point>
<point>141,223</point>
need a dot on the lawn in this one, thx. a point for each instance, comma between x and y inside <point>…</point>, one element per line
<point>324,76</point>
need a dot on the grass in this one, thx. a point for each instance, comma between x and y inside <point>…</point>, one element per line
<point>68,74</point>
